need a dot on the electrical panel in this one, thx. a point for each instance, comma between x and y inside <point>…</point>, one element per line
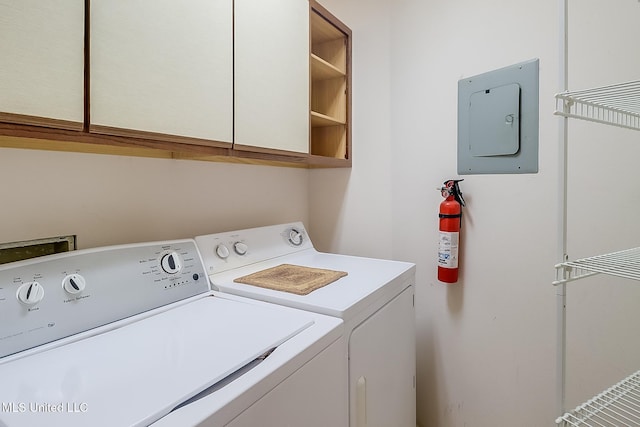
<point>498,121</point>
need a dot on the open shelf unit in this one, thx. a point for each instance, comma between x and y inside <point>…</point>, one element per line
<point>616,105</point>
<point>330,58</point>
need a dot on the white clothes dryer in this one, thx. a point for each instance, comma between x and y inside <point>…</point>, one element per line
<point>375,299</point>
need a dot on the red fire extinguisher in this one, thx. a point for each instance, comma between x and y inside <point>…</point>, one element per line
<point>450,222</point>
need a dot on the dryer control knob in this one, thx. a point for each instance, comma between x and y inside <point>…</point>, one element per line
<point>222,251</point>
<point>30,293</point>
<point>240,248</point>
<point>295,237</point>
<point>74,283</point>
<point>171,262</point>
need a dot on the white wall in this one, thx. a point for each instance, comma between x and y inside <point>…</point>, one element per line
<point>108,199</point>
<point>486,346</point>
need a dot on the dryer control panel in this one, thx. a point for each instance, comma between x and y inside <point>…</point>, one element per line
<point>45,299</point>
<point>234,249</point>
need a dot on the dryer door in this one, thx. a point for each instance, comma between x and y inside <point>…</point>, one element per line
<point>382,366</point>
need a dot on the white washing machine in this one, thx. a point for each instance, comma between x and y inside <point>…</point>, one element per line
<point>375,299</point>
<point>132,335</point>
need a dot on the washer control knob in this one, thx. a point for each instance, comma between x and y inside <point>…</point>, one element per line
<point>240,248</point>
<point>295,237</point>
<point>74,284</point>
<point>222,251</point>
<point>171,262</point>
<point>30,293</point>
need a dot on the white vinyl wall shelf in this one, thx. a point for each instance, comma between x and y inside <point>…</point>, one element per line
<point>617,105</point>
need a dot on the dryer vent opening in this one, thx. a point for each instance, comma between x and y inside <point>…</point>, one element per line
<point>18,251</point>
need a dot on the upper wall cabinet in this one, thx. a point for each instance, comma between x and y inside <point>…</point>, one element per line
<point>266,81</point>
<point>162,68</point>
<point>271,42</point>
<point>330,111</point>
<point>42,51</point>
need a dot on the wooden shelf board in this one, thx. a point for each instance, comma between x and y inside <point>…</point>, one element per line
<point>318,120</point>
<point>323,70</point>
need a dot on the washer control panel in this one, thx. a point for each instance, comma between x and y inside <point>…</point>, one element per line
<point>52,297</point>
<point>233,249</point>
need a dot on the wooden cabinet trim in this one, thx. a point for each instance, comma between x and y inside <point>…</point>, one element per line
<point>66,140</point>
<point>40,121</point>
<point>152,136</point>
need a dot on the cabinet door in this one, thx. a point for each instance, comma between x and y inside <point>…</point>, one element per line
<point>382,363</point>
<point>271,42</point>
<point>42,72</point>
<point>162,67</point>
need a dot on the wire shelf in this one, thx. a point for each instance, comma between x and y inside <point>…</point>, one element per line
<point>624,264</point>
<point>617,105</point>
<point>617,406</point>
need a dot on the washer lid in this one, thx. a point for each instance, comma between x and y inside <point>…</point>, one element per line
<point>138,373</point>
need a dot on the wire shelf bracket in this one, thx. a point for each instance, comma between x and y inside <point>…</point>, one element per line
<point>616,105</point>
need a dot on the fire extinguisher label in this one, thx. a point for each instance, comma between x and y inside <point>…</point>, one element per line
<point>448,250</point>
